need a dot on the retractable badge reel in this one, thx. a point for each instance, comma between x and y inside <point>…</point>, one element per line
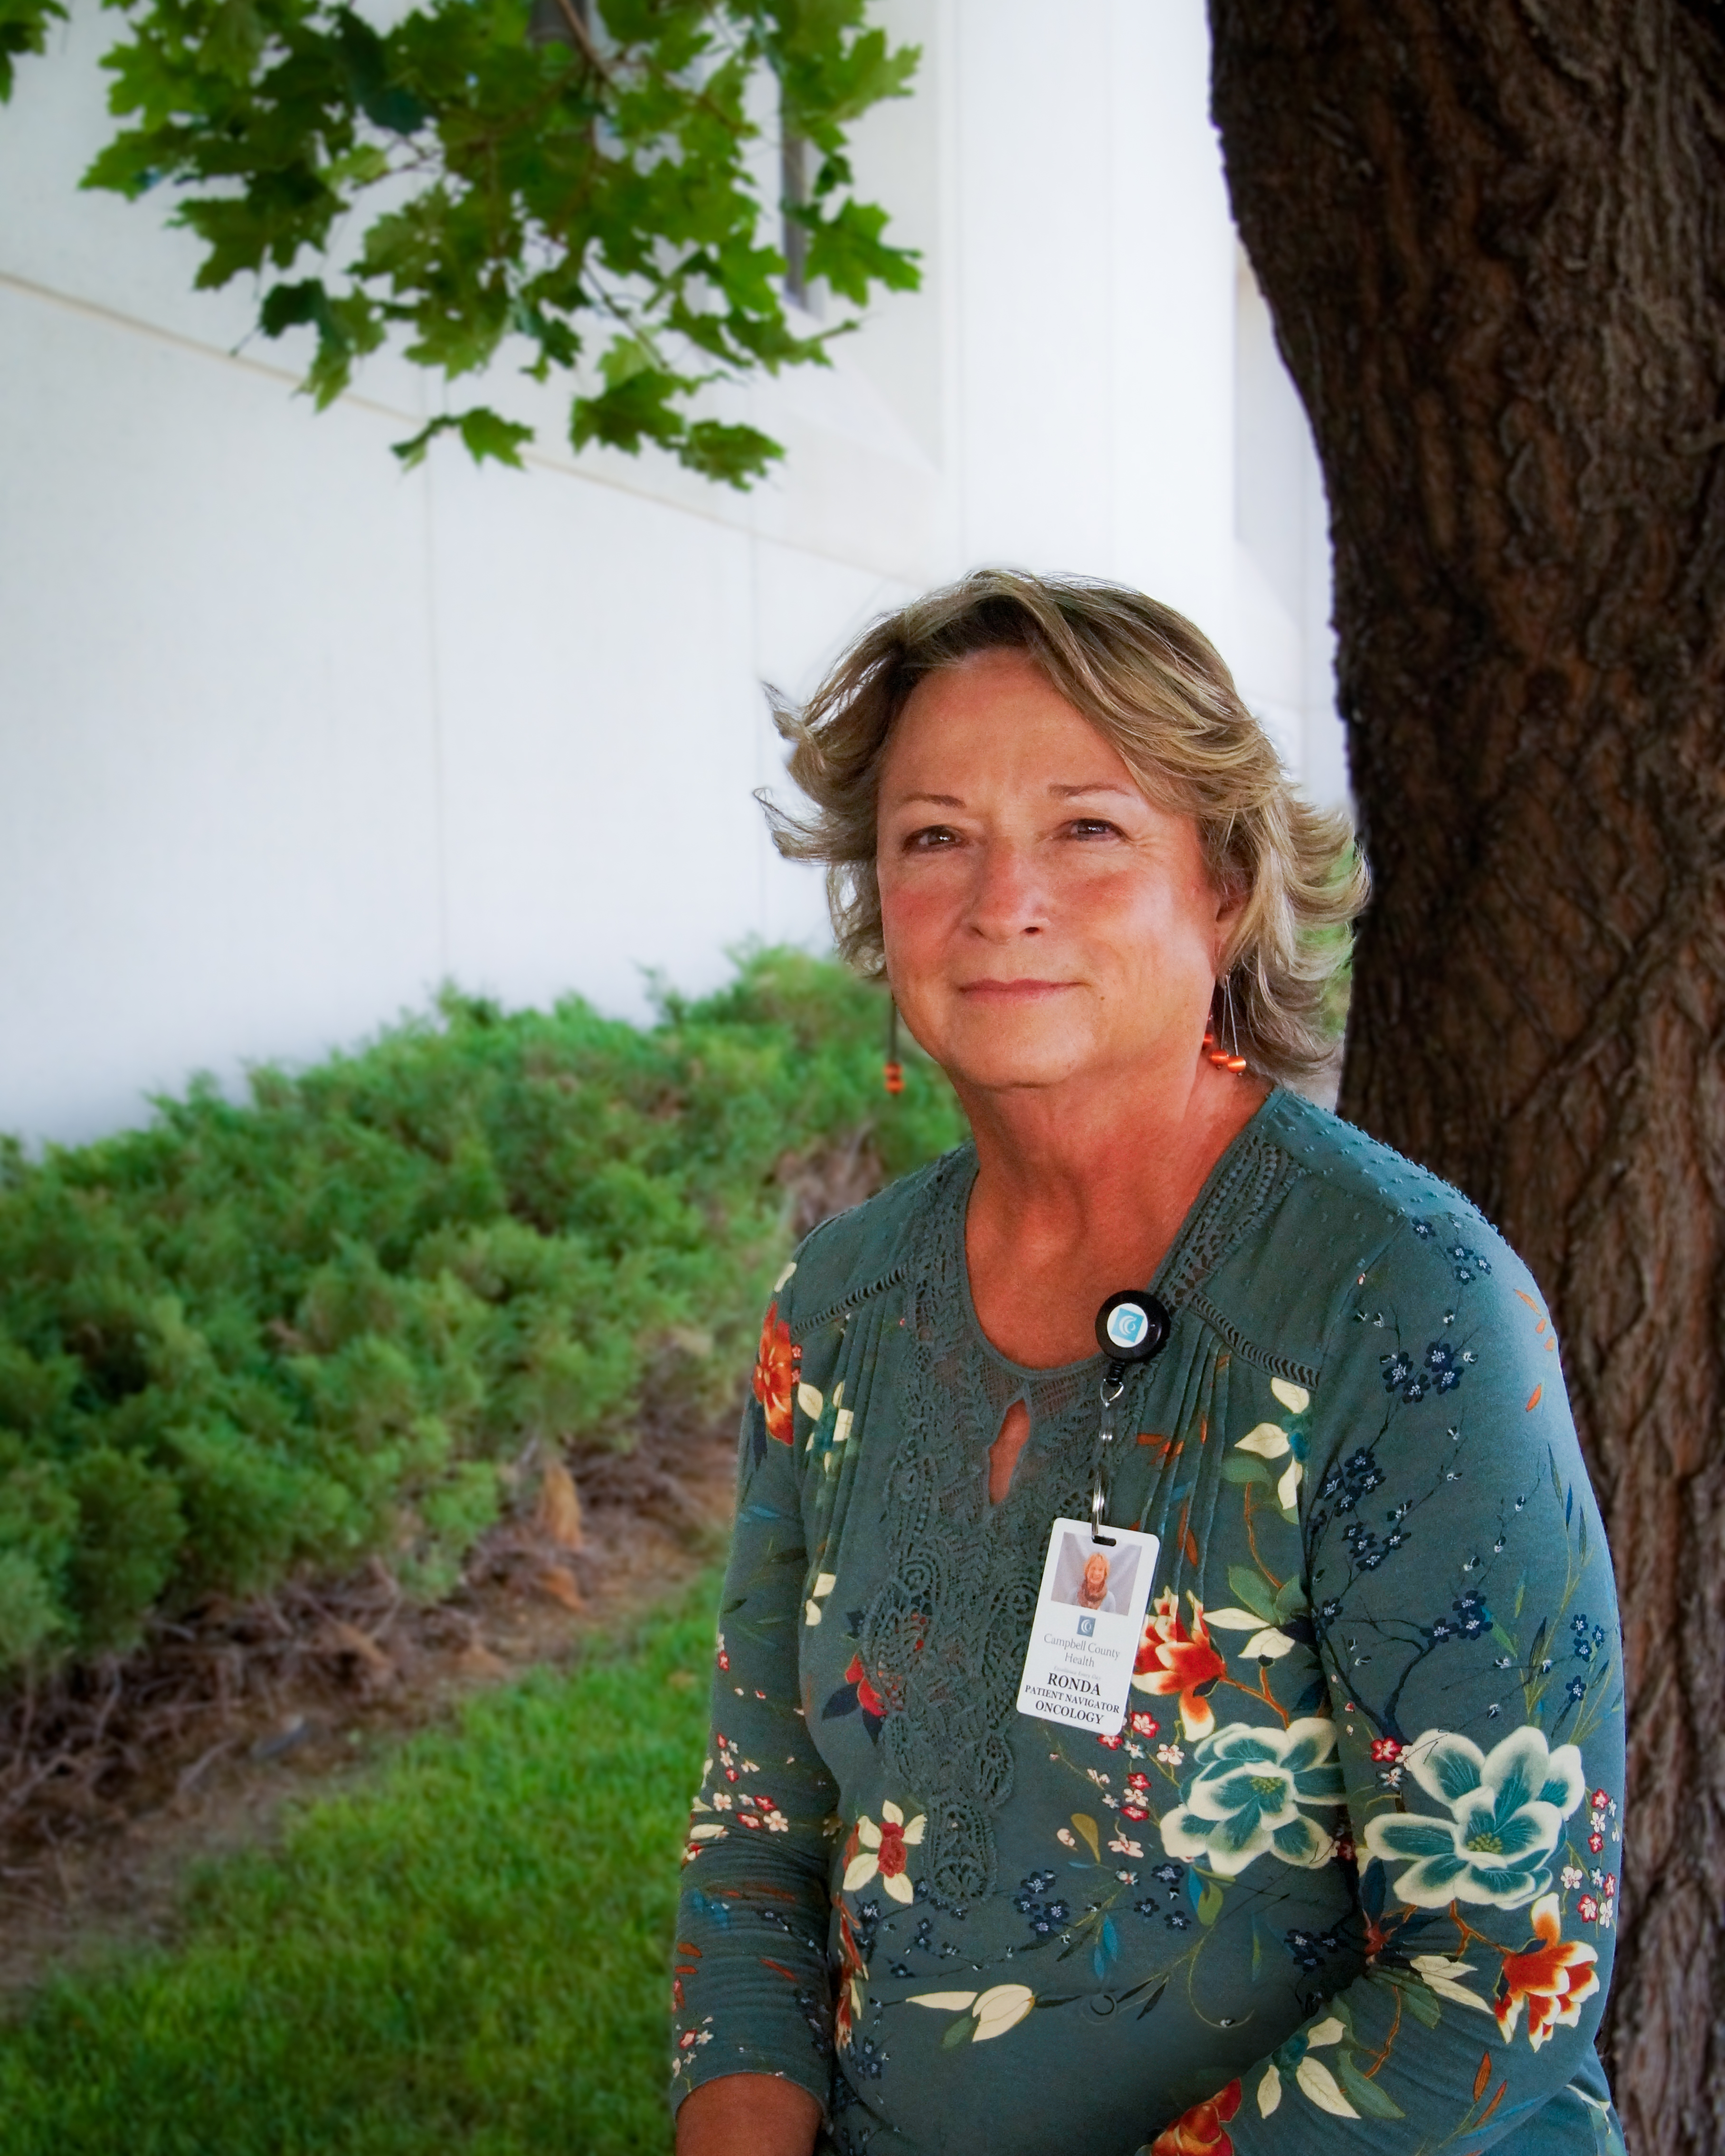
<point>1131,1328</point>
<point>1095,1585</point>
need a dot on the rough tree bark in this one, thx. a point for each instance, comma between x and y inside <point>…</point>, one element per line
<point>1491,234</point>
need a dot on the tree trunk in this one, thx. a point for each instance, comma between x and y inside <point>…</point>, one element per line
<point>1491,234</point>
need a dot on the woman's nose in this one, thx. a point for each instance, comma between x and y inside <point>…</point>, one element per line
<point>1007,899</point>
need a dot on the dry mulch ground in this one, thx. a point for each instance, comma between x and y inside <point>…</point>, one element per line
<point>114,1778</point>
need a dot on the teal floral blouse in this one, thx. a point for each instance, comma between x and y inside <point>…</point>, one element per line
<point>1346,1878</point>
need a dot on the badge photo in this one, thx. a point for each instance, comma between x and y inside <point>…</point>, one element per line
<point>1090,1617</point>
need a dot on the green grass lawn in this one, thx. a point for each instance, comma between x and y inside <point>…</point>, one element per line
<point>467,1954</point>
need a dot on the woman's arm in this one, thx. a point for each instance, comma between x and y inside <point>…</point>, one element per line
<point>752,1994</point>
<point>1462,1597</point>
<point>748,2115</point>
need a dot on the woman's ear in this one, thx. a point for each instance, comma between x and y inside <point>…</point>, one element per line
<point>1233,892</point>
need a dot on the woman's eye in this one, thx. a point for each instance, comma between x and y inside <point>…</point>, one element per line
<point>931,836</point>
<point>1093,827</point>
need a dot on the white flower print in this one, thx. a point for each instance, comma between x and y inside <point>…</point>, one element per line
<point>1002,2007</point>
<point>1246,1798</point>
<point>1507,1808</point>
<point>1268,1642</point>
<point>1270,1441</point>
<point>1313,2077</point>
<point>882,1852</point>
<point>1442,1974</point>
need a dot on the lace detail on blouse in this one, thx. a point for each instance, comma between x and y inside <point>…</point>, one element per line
<point>946,1635</point>
<point>945,1638</point>
<point>1247,1181</point>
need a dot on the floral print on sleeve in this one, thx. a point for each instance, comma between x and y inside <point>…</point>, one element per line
<point>751,1963</point>
<point>1461,1600</point>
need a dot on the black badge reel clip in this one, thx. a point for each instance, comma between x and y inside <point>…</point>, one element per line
<point>1131,1328</point>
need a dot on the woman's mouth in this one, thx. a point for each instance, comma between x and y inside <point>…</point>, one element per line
<point>1008,991</point>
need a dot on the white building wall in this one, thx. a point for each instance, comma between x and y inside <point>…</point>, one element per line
<point>287,736</point>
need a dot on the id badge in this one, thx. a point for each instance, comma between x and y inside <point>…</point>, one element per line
<point>1090,1617</point>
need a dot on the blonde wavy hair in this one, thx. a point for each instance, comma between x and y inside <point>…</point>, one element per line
<point>1155,688</point>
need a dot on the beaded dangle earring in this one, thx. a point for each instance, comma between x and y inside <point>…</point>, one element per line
<point>892,1071</point>
<point>1234,1061</point>
<point>1229,1058</point>
<point>1217,1056</point>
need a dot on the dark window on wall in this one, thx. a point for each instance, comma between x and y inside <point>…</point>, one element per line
<point>560,22</point>
<point>793,189</point>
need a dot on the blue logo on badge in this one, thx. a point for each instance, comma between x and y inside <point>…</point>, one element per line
<point>1128,1325</point>
<point>1087,1627</point>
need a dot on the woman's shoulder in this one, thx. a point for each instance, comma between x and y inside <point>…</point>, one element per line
<point>1348,1169</point>
<point>1348,1219</point>
<point>858,1253</point>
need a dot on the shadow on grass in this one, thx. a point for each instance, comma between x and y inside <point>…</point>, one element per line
<point>470,1952</point>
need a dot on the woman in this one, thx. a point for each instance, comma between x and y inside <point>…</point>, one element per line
<point>1093,1586</point>
<point>1345,1875</point>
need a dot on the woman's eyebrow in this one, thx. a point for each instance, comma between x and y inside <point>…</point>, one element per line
<point>1095,785</point>
<point>939,800</point>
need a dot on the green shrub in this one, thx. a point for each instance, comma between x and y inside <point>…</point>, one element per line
<point>320,1325</point>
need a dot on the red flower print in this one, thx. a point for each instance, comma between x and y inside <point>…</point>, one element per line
<point>1385,1748</point>
<point>853,1976</point>
<point>878,1852</point>
<point>867,1698</point>
<point>1587,1909</point>
<point>775,1382</point>
<point>1596,1842</point>
<point>1143,1725</point>
<point>1598,1800</point>
<point>1139,1780</point>
<point>1199,2132</point>
<point>1113,1743</point>
<point>1551,1975</point>
<point>1172,1660</point>
<point>1135,1812</point>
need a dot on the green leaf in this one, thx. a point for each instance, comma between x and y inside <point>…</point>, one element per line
<point>847,251</point>
<point>733,454</point>
<point>235,38</point>
<point>1209,1902</point>
<point>1290,1598</point>
<point>641,406</point>
<point>372,79</point>
<point>544,185</point>
<point>1242,1467</point>
<point>963,2029</point>
<point>24,28</point>
<point>1422,2004</point>
<point>1252,1591</point>
<point>1086,1829</point>
<point>1361,2092</point>
<point>360,166</point>
<point>485,434</point>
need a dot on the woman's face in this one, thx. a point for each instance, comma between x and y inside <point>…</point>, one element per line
<point>1044,923</point>
<point>1096,1574</point>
